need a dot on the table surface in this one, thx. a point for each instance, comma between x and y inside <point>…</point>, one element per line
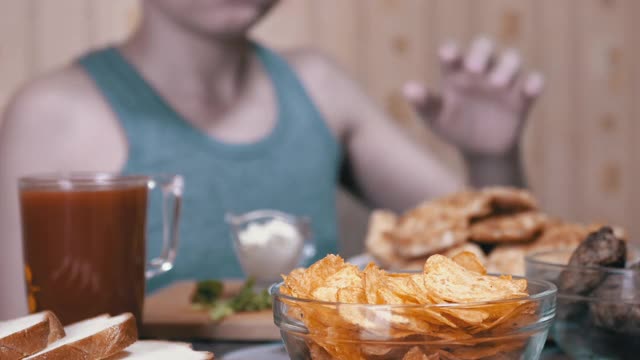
<point>222,348</point>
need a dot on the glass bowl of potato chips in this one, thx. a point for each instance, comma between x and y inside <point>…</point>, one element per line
<point>451,310</point>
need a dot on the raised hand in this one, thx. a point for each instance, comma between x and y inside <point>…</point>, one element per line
<point>484,99</point>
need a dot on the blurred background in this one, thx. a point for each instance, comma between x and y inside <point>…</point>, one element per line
<point>581,151</point>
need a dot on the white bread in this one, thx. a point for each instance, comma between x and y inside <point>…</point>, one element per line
<point>28,335</point>
<point>92,339</point>
<point>161,350</point>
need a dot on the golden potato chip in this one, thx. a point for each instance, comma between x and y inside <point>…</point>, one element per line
<point>352,295</point>
<point>417,264</point>
<point>377,350</point>
<point>487,349</point>
<point>468,247</point>
<point>469,316</point>
<point>470,262</point>
<point>520,227</point>
<point>348,276</point>
<point>325,293</point>
<point>301,283</point>
<point>415,354</point>
<point>317,352</point>
<point>453,283</point>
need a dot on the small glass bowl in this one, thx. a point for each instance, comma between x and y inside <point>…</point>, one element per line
<point>265,264</point>
<point>598,308</point>
<point>316,330</point>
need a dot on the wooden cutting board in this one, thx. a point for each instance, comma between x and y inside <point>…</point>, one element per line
<point>168,314</point>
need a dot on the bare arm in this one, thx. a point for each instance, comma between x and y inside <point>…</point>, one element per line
<point>389,168</point>
<point>48,127</point>
<point>480,111</point>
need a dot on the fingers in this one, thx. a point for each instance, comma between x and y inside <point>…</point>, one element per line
<point>533,85</point>
<point>479,56</point>
<point>450,58</point>
<point>506,70</point>
<point>427,103</point>
<point>531,88</point>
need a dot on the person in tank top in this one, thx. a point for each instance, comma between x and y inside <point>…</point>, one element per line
<point>189,92</point>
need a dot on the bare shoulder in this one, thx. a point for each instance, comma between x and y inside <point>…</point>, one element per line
<point>61,111</point>
<point>332,89</point>
<point>56,94</point>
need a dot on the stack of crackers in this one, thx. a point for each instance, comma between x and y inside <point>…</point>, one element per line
<point>498,224</point>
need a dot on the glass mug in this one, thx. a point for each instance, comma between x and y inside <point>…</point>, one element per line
<point>84,238</point>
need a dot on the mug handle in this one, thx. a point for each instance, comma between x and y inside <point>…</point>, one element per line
<point>172,187</point>
<point>309,247</point>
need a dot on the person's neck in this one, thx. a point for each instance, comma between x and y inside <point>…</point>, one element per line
<point>188,64</point>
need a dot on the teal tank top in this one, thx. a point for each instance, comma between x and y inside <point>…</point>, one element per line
<point>293,169</point>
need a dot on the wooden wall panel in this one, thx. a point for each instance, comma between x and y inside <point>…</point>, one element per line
<point>395,42</point>
<point>287,26</point>
<point>16,49</point>
<point>556,114</point>
<point>604,109</point>
<point>336,29</point>
<point>112,20</point>
<point>61,31</point>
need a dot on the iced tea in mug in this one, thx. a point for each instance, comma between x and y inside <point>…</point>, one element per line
<point>84,241</point>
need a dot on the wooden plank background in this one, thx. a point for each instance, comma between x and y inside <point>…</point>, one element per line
<point>580,145</point>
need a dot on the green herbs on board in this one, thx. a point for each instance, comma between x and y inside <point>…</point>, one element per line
<point>208,296</point>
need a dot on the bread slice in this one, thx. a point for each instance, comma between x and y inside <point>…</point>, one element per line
<point>161,350</point>
<point>92,339</point>
<point>28,335</point>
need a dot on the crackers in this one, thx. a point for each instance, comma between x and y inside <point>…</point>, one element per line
<point>493,215</point>
<point>505,221</point>
<point>435,229</point>
<point>520,227</point>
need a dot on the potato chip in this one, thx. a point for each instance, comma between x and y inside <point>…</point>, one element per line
<point>453,283</point>
<point>348,276</point>
<point>468,316</point>
<point>325,293</point>
<point>317,352</point>
<point>470,262</point>
<point>301,283</point>
<point>415,354</point>
<point>376,350</point>
<point>468,247</point>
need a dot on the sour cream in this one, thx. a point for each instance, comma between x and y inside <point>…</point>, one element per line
<point>269,248</point>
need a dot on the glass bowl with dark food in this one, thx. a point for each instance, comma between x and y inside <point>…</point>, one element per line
<point>358,327</point>
<point>598,305</point>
